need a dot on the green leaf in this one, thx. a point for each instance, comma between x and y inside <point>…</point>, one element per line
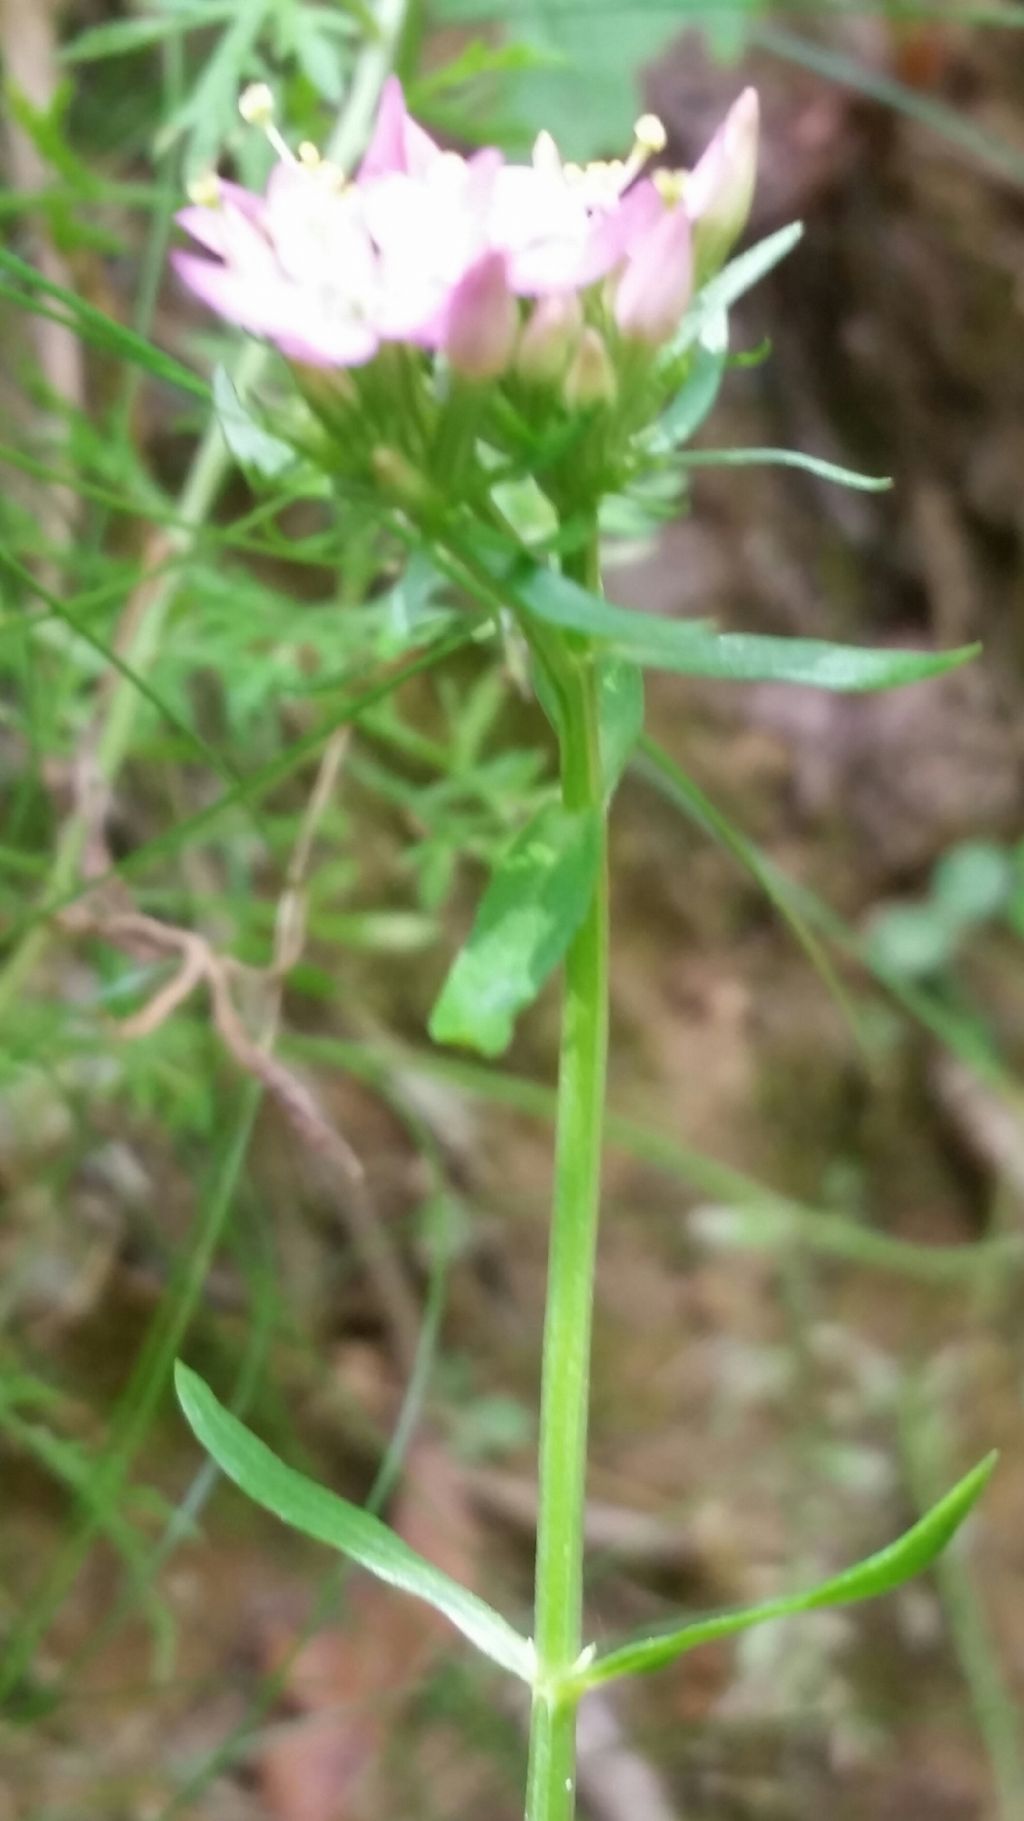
<point>329,1519</point>
<point>695,648</point>
<point>255,450</point>
<point>536,900</point>
<point>912,941</point>
<point>880,1573</point>
<point>733,282</point>
<point>787,458</point>
<point>972,882</point>
<point>322,60</point>
<point>695,398</point>
<point>621,706</point>
<point>119,36</point>
<point>598,52</point>
<point>94,326</point>
<point>476,60</point>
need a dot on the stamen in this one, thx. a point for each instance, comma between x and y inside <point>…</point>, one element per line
<point>670,186</point>
<point>649,138</point>
<point>546,156</point>
<point>649,134</point>
<point>256,104</point>
<point>205,191</point>
<point>309,155</point>
<point>257,108</point>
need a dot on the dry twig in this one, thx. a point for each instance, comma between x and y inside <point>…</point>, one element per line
<point>108,912</point>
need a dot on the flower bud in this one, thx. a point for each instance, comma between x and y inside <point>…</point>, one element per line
<point>483,320</point>
<point>657,282</point>
<point>720,188</point>
<point>549,338</point>
<point>591,378</point>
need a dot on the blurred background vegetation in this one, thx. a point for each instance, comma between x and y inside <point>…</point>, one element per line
<point>248,800</point>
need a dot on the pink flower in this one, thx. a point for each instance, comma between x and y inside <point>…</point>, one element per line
<point>433,249</point>
<point>296,266</point>
<point>429,232</point>
<point>327,270</point>
<point>558,234</point>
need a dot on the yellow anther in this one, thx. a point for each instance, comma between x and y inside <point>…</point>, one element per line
<point>205,191</point>
<point>256,104</point>
<point>670,186</point>
<point>309,155</point>
<point>649,135</point>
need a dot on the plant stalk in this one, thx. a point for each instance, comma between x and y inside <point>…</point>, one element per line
<point>551,1787</point>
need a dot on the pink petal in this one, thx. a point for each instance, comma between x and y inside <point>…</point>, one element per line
<point>720,189</point>
<point>635,213</point>
<point>483,320</point>
<point>206,225</point>
<point>657,283</point>
<point>234,221</point>
<point>326,343</point>
<point>277,311</point>
<point>255,307</point>
<point>318,232</point>
<point>398,143</point>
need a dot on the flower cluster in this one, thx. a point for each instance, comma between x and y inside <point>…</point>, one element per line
<point>555,278</point>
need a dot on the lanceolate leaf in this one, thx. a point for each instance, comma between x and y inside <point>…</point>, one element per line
<point>734,280</point>
<point>621,704</point>
<point>329,1519</point>
<point>705,332</point>
<point>695,649</point>
<point>536,900</point>
<point>118,36</point>
<point>787,458</point>
<point>95,327</point>
<point>687,411</point>
<point>880,1573</point>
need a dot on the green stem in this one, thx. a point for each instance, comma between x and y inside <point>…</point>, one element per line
<point>566,1368</point>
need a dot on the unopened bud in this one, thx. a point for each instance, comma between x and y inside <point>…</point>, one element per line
<point>483,320</point>
<point>548,339</point>
<point>590,380</point>
<point>657,283</point>
<point>720,188</point>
